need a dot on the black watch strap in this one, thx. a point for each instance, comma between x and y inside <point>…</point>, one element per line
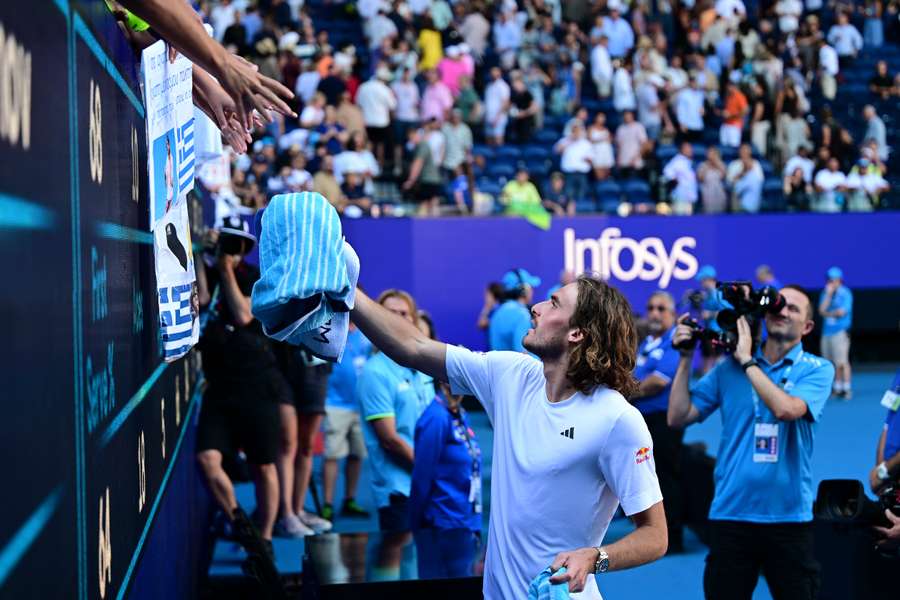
<point>750,363</point>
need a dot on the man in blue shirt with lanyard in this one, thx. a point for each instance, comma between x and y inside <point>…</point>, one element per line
<point>392,398</point>
<point>836,308</point>
<point>657,362</point>
<point>512,319</point>
<point>771,398</point>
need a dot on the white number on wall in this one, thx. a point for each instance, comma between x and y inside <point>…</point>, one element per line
<point>142,472</point>
<point>95,133</point>
<point>104,546</point>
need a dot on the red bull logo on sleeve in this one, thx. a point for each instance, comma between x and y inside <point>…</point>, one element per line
<point>642,455</point>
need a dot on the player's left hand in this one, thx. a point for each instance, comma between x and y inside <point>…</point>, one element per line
<point>579,565</point>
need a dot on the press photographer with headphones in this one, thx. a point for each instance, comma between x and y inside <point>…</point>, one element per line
<point>512,319</point>
<point>771,397</point>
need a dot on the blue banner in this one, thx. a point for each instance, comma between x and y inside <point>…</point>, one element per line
<point>447,263</point>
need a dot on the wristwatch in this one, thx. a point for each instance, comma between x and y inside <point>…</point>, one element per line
<point>602,563</point>
<point>882,472</point>
<point>750,363</point>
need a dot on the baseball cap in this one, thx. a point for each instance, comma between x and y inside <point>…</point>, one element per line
<point>835,273</point>
<point>236,226</point>
<point>706,272</point>
<point>516,278</point>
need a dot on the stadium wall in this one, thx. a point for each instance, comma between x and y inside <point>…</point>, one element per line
<point>100,489</point>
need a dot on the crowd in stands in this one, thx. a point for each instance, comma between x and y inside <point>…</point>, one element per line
<point>664,106</point>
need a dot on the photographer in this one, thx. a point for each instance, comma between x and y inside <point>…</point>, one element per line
<point>887,458</point>
<point>771,397</point>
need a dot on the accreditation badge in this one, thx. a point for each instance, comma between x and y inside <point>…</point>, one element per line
<point>765,443</point>
<point>891,400</point>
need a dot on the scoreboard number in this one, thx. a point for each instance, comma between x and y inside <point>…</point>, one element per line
<point>95,131</point>
<point>104,546</point>
<point>142,472</point>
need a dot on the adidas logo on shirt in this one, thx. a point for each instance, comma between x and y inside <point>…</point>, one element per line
<point>569,433</point>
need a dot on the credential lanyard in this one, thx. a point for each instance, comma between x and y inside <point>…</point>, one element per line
<point>784,380</point>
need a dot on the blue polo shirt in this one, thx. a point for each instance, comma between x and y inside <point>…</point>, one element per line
<point>447,459</point>
<point>892,423</point>
<point>842,299</point>
<point>386,389</point>
<point>656,356</point>
<point>342,381</point>
<point>759,492</point>
<point>508,326</point>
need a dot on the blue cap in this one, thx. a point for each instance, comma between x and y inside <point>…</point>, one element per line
<point>835,273</point>
<point>706,272</point>
<point>516,278</point>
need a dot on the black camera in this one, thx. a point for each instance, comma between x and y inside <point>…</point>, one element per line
<point>844,501</point>
<point>746,302</point>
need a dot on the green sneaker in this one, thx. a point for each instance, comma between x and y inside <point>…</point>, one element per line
<point>327,512</point>
<point>352,509</point>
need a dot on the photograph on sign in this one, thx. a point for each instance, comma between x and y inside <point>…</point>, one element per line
<point>166,78</point>
<point>179,304</point>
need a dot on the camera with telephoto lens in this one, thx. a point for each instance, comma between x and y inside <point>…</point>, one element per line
<point>844,501</point>
<point>746,302</point>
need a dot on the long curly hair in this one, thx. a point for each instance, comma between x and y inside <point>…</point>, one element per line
<point>607,353</point>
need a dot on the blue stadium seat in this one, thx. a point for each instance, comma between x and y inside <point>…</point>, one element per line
<point>609,195</point>
<point>484,150</point>
<point>536,152</point>
<point>546,136</point>
<point>665,152</point>
<point>637,191</point>
<point>538,168</point>
<point>507,151</point>
<point>498,170</point>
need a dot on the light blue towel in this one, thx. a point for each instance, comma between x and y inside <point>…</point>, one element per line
<point>542,589</point>
<point>303,277</point>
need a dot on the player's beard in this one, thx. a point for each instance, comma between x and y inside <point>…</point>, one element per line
<point>544,347</point>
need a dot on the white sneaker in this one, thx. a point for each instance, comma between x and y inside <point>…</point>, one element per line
<point>292,527</point>
<point>318,524</point>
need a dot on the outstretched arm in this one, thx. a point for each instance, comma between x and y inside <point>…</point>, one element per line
<point>399,339</point>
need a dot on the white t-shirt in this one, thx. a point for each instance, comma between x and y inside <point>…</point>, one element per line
<point>576,156</point>
<point>559,471</point>
<point>830,180</point>
<point>828,60</point>
<point>376,101</point>
<point>407,93</point>
<point>805,165</point>
<point>496,95</point>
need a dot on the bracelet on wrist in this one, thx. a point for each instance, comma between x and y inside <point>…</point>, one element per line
<point>750,363</point>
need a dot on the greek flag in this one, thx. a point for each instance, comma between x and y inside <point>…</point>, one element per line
<point>184,142</point>
<point>179,327</point>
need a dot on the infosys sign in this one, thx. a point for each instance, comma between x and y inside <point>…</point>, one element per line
<point>615,256</point>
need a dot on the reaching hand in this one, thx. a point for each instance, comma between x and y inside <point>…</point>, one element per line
<point>890,535</point>
<point>578,563</point>
<point>219,106</point>
<point>248,90</point>
<point>683,333</point>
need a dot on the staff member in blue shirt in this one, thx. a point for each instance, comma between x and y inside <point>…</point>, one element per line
<point>888,458</point>
<point>445,499</point>
<point>657,362</point>
<point>836,307</point>
<point>771,399</point>
<point>391,399</point>
<point>512,319</point>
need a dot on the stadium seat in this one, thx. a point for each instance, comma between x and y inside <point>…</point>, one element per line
<point>609,195</point>
<point>508,152</point>
<point>637,191</point>
<point>499,169</point>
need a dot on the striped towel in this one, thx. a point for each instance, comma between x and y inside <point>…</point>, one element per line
<point>542,589</point>
<point>328,341</point>
<point>303,276</point>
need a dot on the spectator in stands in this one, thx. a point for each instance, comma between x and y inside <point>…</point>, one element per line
<point>458,142</point>
<point>830,185</point>
<point>656,364</point>
<point>619,33</point>
<point>332,83</point>
<point>496,108</point>
<point>865,184</point>
<point>453,66</point>
<point>307,82</point>
<point>536,80</point>
<point>788,12</point>
<point>512,319</point>
<point>601,66</point>
<point>873,26</point>
<point>745,176</point>
<point>736,109</point>
<point>475,29</point>
<point>829,67</point>
<point>875,131</point>
<point>575,163</point>
<point>679,175</point>
<point>445,495</point>
<point>603,158</point>
<point>343,428</point>
<point>711,175</point>
<point>437,99</point>
<point>523,108</point>
<point>689,111</point>
<point>507,37</point>
<point>331,133</point>
<point>424,179</point>
<point>325,183</point>
<point>430,46</point>
<point>469,103</point>
<point>836,310</point>
<point>379,29</point>
<point>520,193</point>
<point>649,108</point>
<point>797,180</point>
<point>555,199</point>
<point>391,400</point>
<point>631,141</point>
<point>358,202</point>
<point>623,88</point>
<point>762,116</point>
<point>314,112</point>
<point>845,39</point>
<point>377,101</point>
<point>350,116</point>
<point>461,191</point>
<point>770,400</point>
<point>882,84</point>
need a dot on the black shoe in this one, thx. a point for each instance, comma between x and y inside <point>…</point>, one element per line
<point>352,509</point>
<point>260,562</point>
